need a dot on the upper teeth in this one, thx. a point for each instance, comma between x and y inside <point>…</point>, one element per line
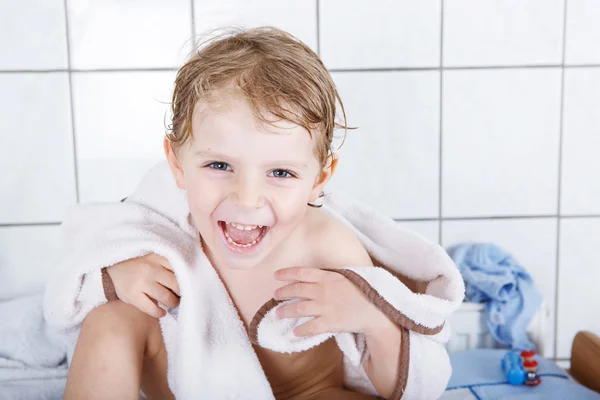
<point>243,227</point>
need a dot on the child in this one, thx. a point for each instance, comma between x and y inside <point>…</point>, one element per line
<point>253,121</point>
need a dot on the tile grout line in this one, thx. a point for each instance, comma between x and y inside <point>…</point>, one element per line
<point>101,70</point>
<point>574,216</point>
<point>462,68</point>
<point>319,30</point>
<point>559,187</point>
<point>482,218</point>
<point>33,71</point>
<point>26,224</point>
<point>498,217</point>
<point>336,70</point>
<point>495,218</point>
<point>71,102</point>
<point>424,219</point>
<point>440,111</point>
<point>194,44</point>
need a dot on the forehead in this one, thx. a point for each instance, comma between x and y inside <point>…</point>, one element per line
<point>229,126</point>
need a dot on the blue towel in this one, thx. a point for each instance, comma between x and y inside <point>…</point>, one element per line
<point>493,276</point>
<point>480,371</point>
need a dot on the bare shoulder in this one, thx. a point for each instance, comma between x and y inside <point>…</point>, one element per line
<point>333,244</point>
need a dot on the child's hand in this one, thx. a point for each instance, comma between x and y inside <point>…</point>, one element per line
<point>144,281</point>
<point>335,302</point>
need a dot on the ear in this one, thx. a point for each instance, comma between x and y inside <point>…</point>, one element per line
<point>174,164</point>
<point>324,177</point>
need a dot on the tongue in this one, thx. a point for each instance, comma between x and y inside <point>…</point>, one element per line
<point>242,237</point>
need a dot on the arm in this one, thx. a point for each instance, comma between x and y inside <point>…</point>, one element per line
<point>406,358</point>
<point>384,343</point>
<point>98,235</point>
<point>401,359</point>
<point>383,337</point>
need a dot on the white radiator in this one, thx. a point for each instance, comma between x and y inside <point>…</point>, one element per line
<point>469,330</point>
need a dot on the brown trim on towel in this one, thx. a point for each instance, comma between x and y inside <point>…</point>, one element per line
<point>403,365</point>
<point>258,317</point>
<point>389,310</point>
<point>109,288</point>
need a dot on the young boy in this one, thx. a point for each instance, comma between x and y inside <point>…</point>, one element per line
<point>253,121</point>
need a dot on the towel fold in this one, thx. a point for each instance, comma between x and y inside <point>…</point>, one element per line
<point>493,276</point>
<point>33,359</point>
<point>210,355</point>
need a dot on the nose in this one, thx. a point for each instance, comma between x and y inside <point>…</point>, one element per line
<point>247,194</point>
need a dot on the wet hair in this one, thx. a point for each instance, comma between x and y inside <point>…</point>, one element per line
<point>277,74</point>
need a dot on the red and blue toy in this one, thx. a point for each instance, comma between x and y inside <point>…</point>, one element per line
<point>521,369</point>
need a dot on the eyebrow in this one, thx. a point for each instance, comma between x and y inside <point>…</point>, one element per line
<point>290,163</point>
<point>210,154</point>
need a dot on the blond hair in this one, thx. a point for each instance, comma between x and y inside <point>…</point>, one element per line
<point>275,72</point>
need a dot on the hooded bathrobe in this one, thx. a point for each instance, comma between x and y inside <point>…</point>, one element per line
<point>210,353</point>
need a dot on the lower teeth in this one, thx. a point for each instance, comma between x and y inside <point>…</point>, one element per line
<point>230,240</point>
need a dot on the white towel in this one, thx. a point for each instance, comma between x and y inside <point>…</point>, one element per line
<point>209,352</point>
<point>32,357</point>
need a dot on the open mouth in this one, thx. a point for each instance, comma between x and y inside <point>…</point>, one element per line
<point>242,236</point>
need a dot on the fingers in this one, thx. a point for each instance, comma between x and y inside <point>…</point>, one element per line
<point>297,290</point>
<point>167,278</point>
<point>163,295</point>
<point>150,307</point>
<point>313,327</point>
<point>303,274</point>
<point>306,308</point>
<point>162,272</point>
<point>155,258</point>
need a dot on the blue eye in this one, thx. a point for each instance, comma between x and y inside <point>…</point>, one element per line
<point>221,166</point>
<point>282,173</point>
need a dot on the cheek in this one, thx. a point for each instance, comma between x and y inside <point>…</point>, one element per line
<point>291,207</point>
<point>203,198</point>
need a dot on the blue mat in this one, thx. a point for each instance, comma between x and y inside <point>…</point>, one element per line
<point>480,371</point>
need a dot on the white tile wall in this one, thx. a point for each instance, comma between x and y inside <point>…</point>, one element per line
<point>24,271</point>
<point>580,186</point>
<point>494,152</point>
<point>380,33</point>
<point>500,142</point>
<point>297,17</point>
<point>37,181</point>
<point>583,32</point>
<point>578,277</point>
<point>511,32</point>
<point>129,34</point>
<point>531,241</point>
<point>33,49</point>
<point>428,229</point>
<point>393,153</point>
<point>120,123</point>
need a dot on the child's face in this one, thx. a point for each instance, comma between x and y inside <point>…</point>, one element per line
<point>247,185</point>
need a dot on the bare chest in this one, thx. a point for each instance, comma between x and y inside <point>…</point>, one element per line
<point>249,294</point>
